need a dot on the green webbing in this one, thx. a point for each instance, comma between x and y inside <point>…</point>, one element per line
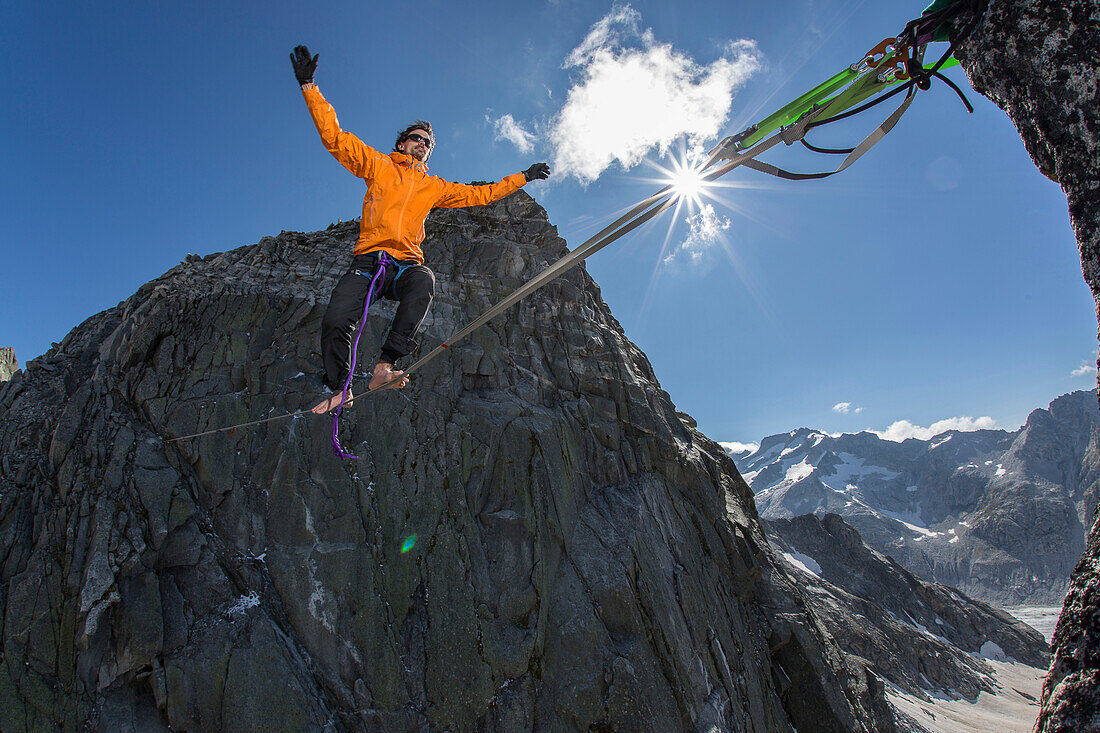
<point>866,86</point>
<point>792,111</point>
<point>868,143</point>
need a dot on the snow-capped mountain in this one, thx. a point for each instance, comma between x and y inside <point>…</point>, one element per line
<point>1001,515</point>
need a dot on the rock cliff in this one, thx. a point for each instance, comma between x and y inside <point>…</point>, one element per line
<point>582,558</point>
<point>926,638</point>
<point>1040,62</point>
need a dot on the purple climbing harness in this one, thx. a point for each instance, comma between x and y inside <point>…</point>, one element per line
<point>378,279</point>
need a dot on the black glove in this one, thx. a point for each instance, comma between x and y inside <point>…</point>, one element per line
<point>304,66</point>
<point>538,170</point>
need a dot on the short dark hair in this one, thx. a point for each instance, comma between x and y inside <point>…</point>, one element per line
<point>416,125</point>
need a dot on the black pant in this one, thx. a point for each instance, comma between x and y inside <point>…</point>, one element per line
<point>413,290</point>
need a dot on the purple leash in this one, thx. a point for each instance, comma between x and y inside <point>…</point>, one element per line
<point>379,278</point>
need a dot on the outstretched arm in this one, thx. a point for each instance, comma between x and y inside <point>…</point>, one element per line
<point>458,194</point>
<point>353,153</point>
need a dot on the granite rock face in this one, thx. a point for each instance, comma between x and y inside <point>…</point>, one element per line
<point>1071,691</point>
<point>925,638</point>
<point>8,364</point>
<point>583,558</point>
<point>1040,62</point>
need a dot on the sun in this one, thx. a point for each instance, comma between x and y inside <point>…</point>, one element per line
<point>687,181</point>
<point>686,178</point>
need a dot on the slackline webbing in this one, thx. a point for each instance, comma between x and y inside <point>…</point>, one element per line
<point>724,158</point>
<point>641,213</point>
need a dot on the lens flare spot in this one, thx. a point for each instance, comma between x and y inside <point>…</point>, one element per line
<point>408,544</point>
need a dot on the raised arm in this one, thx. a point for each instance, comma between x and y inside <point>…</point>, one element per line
<point>353,153</point>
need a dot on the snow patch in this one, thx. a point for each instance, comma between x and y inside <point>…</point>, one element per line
<point>798,471</point>
<point>991,650</point>
<point>792,449</point>
<point>924,629</point>
<point>907,520</point>
<point>803,562</point>
<point>851,469</point>
<point>244,603</point>
<point>940,442</point>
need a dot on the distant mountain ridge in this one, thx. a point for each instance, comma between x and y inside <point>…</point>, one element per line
<point>1001,515</point>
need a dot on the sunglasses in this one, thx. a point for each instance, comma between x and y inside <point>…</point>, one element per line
<point>419,139</point>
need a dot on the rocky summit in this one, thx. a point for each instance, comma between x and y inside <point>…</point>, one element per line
<point>532,536</point>
<point>1000,515</point>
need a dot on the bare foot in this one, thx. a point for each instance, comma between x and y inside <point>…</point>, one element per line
<point>331,403</point>
<point>386,377</point>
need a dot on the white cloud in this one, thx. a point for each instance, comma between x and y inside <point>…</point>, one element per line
<point>845,407</point>
<point>903,429</point>
<point>506,128</point>
<point>1086,369</point>
<point>706,229</point>
<point>735,448</point>
<point>610,32</point>
<point>634,95</point>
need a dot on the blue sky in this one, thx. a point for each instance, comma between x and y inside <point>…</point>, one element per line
<point>937,279</point>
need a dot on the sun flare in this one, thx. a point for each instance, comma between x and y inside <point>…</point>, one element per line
<point>687,179</point>
<point>688,182</point>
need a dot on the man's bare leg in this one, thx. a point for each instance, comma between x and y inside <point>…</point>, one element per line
<point>330,404</point>
<point>386,377</point>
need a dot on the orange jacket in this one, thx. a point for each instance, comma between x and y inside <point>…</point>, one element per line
<point>400,193</point>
